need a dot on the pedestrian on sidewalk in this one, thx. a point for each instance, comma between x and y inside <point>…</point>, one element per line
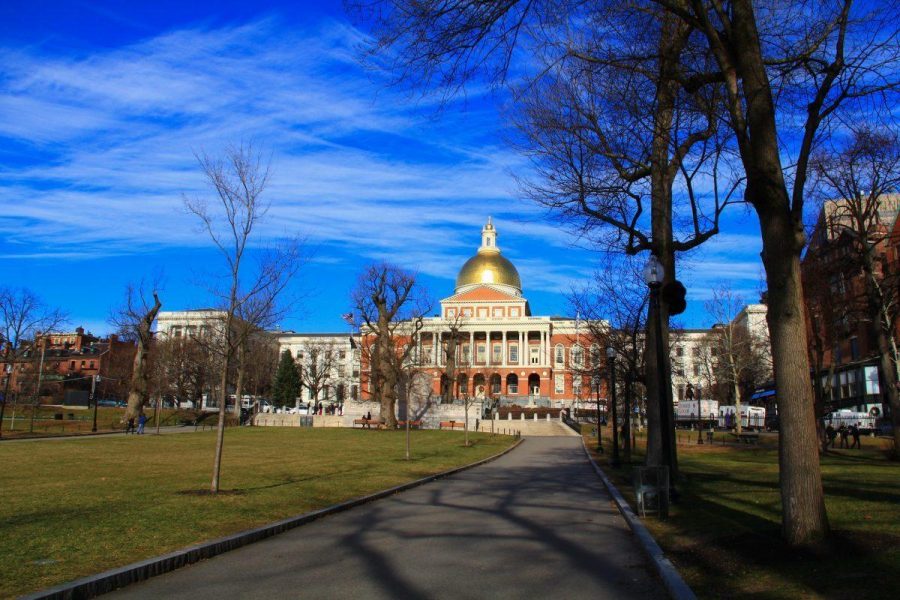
<point>142,420</point>
<point>845,443</point>
<point>129,426</point>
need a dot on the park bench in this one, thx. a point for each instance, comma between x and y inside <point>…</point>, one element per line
<point>747,438</point>
<point>367,422</point>
<point>453,425</point>
<point>412,424</point>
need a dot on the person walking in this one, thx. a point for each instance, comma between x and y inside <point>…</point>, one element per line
<point>854,431</point>
<point>129,426</point>
<point>845,443</point>
<point>830,433</point>
<point>142,420</point>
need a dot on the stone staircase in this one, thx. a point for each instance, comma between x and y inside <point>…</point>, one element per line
<point>528,427</point>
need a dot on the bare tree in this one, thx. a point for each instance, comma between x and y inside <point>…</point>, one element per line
<point>392,308</point>
<point>858,216</point>
<point>134,320</point>
<point>450,345</point>
<point>23,317</point>
<point>614,309</point>
<point>253,291</point>
<point>738,357</point>
<point>317,368</point>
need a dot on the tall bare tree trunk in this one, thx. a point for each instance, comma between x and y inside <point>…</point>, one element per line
<point>137,393</point>
<point>804,519</point>
<point>662,173</point>
<point>223,397</point>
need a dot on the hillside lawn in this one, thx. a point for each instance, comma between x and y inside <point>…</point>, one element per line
<point>71,508</point>
<point>723,535</point>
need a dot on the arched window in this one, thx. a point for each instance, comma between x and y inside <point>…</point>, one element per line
<point>495,383</point>
<point>560,355</point>
<point>577,357</point>
<point>512,384</point>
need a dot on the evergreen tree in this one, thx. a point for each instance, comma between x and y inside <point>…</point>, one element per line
<point>287,381</point>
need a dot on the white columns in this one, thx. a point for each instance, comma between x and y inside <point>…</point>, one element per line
<point>504,350</point>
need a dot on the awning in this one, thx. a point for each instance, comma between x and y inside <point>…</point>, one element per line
<point>762,394</point>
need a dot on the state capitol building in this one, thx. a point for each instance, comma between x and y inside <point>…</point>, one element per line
<point>502,349</point>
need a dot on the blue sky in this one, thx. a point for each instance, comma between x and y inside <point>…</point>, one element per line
<point>102,105</point>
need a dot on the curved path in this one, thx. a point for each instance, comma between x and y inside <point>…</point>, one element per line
<point>536,523</point>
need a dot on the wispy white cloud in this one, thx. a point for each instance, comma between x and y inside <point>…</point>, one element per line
<point>351,161</point>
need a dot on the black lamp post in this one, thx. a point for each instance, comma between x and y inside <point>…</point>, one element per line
<point>653,276</point>
<point>611,355</point>
<point>597,387</point>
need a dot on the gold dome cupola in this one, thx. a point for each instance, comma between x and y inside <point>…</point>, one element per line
<point>488,266</point>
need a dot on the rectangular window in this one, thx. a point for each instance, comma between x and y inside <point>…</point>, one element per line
<point>465,353</point>
<point>496,353</point>
<point>426,354</point>
<point>467,312</point>
<point>512,389</point>
<point>451,312</point>
<point>498,312</point>
<point>854,348</point>
<point>679,351</point>
<point>535,353</point>
<point>91,365</point>
<point>342,354</point>
<point>72,365</point>
<point>695,351</point>
<point>576,386</point>
<point>514,312</point>
<point>514,354</point>
<point>480,350</point>
<point>559,384</point>
<point>483,312</point>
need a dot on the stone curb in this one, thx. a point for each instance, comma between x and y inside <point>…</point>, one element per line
<point>101,583</point>
<point>675,585</point>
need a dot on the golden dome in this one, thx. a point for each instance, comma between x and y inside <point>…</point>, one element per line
<point>490,268</point>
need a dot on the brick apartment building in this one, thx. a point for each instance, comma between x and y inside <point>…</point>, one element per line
<point>65,363</point>
<point>843,349</point>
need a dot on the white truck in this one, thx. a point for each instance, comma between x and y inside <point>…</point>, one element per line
<point>752,417</point>
<point>690,412</point>
<point>865,421</point>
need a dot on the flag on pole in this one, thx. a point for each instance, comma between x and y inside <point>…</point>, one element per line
<point>348,317</point>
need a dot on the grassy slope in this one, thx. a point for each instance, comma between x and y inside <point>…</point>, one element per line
<point>76,507</point>
<point>724,534</point>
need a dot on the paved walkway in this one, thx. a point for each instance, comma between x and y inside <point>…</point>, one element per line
<point>535,523</point>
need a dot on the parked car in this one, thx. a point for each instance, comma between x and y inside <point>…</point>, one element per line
<point>111,403</point>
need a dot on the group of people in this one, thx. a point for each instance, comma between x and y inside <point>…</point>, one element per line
<point>845,432</point>
<point>141,422</point>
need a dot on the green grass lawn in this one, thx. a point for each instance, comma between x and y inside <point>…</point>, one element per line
<point>723,535</point>
<point>76,420</point>
<point>72,508</point>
